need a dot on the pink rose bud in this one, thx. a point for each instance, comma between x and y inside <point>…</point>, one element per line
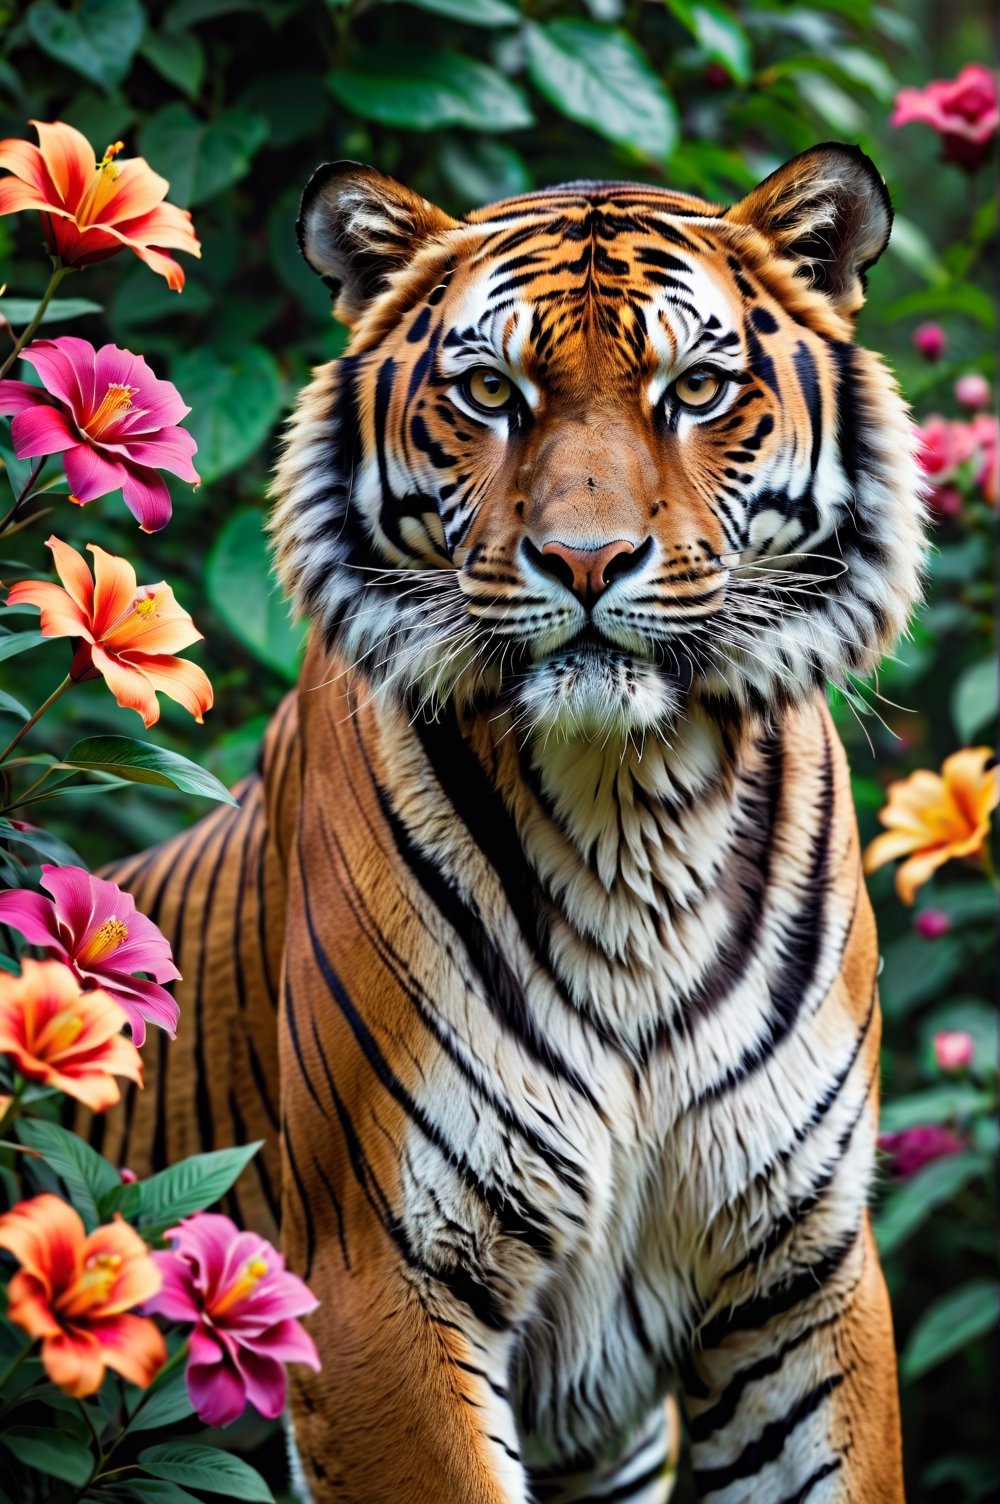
<point>127,1177</point>
<point>912,1148</point>
<point>953,1050</point>
<point>930,340</point>
<point>972,391</point>
<point>932,924</point>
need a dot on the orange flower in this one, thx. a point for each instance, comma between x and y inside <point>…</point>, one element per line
<point>65,1038</point>
<point>91,210</point>
<point>936,816</point>
<point>124,631</point>
<point>72,1291</point>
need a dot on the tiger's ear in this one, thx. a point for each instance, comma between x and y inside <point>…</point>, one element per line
<point>355,226</point>
<point>828,209</point>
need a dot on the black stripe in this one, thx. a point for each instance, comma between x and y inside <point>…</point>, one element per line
<point>769,1444</point>
<point>805,370</point>
<point>721,1413</point>
<point>756,1312</point>
<point>824,1471</point>
<point>307,1216</point>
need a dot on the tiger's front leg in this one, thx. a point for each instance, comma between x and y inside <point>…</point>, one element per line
<point>791,1395</point>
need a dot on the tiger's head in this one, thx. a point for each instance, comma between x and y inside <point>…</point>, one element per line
<point>598,451</point>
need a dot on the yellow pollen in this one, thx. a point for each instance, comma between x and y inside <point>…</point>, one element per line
<point>97,1280</point>
<point>116,401</point>
<point>144,606</point>
<point>60,1033</point>
<point>107,938</point>
<point>250,1275</point>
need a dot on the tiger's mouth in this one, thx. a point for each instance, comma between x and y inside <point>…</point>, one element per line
<point>592,648</point>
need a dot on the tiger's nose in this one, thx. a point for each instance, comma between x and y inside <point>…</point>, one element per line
<point>586,571</point>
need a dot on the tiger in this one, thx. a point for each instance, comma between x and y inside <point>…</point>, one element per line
<point>538,953</point>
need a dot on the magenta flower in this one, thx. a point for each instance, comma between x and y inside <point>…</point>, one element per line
<point>912,1148</point>
<point>243,1303</point>
<point>109,417</point>
<point>963,110</point>
<point>930,340</point>
<point>972,391</point>
<point>95,928</point>
<point>953,1049</point>
<point>932,923</point>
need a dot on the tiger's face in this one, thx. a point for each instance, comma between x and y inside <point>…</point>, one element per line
<point>596,452</point>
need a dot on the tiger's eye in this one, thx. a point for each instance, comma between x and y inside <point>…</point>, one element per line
<point>697,388</point>
<point>489,390</point>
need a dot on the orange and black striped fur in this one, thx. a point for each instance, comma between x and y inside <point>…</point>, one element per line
<point>539,952</point>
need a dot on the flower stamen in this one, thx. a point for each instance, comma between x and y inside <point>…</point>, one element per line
<point>247,1280</point>
<point>106,938</point>
<point>117,401</point>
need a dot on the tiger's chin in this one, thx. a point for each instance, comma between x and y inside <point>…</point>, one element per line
<point>596,694</point>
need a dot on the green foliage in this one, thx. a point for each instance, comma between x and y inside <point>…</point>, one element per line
<point>205,1468</point>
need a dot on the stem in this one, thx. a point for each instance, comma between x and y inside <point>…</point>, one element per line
<point>60,689</point>
<point>13,1106</point>
<point>25,495</point>
<point>13,1366</point>
<point>58,272</point>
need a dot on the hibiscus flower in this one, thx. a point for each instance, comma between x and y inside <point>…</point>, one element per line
<point>62,1037</point>
<point>111,419</point>
<point>124,631</point>
<point>73,1291</point>
<point>96,930</point>
<point>234,1287</point>
<point>963,110</point>
<point>91,210</point>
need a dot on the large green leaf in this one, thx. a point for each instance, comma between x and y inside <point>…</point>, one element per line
<point>20,642</point>
<point>718,33</point>
<point>201,157</point>
<point>974,699</point>
<point>97,38</point>
<point>191,1185</point>
<point>949,1324</point>
<point>236,403</point>
<point>60,311</point>
<point>163,1403</point>
<point>245,594</point>
<point>50,1452</point>
<point>206,1468</point>
<point>178,57</point>
<point>915,969</point>
<point>473,12</point>
<point>908,1206</point>
<point>937,1104</point>
<point>426,88</point>
<point>598,76</point>
<point>86,1174</point>
<point>141,762</point>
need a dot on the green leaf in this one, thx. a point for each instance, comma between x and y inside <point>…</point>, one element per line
<point>718,33</point>
<point>10,706</point>
<point>949,1324</point>
<point>482,169</point>
<point>473,12</point>
<point>141,762</point>
<point>426,88</point>
<point>50,1452</point>
<point>201,157</point>
<point>86,1174</point>
<point>207,1468</point>
<point>238,573</point>
<point>163,1403</point>
<point>938,1104</point>
<point>159,1491</point>
<point>598,76</point>
<point>962,298</point>
<point>191,1185</point>
<point>97,38</point>
<point>178,57</point>
<point>907,1207</point>
<point>291,104</point>
<point>832,103</point>
<point>971,903</point>
<point>236,404</point>
<point>909,244</point>
<point>915,969</point>
<point>42,841</point>
<point>21,642</point>
<point>974,699</point>
<point>60,310</point>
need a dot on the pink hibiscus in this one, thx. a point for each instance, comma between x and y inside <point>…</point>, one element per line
<point>912,1148</point>
<point>95,928</point>
<point>964,110</point>
<point>112,420</point>
<point>243,1303</point>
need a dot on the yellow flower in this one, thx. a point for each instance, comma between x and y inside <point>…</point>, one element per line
<point>936,816</point>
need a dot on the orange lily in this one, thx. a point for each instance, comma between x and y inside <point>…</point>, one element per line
<point>65,1038</point>
<point>73,1291</point>
<point>936,816</point>
<point>125,631</point>
<point>91,210</point>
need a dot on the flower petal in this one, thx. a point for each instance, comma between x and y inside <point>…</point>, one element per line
<point>92,474</point>
<point>132,1346</point>
<point>42,430</point>
<point>60,616</point>
<point>17,396</point>
<point>32,916</point>
<point>71,567</point>
<point>69,157</point>
<point>115,588</point>
<point>73,1361</point>
<point>131,688</point>
<point>184,682</point>
<point>146,496</point>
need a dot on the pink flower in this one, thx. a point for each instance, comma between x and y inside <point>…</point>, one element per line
<point>972,391</point>
<point>944,445</point>
<point>97,931</point>
<point>930,340</point>
<point>932,924</point>
<point>944,501</point>
<point>912,1148</point>
<point>953,1050</point>
<point>964,110</point>
<point>243,1303</point>
<point>109,417</point>
<point>983,431</point>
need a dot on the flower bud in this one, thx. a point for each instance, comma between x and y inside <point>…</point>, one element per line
<point>932,923</point>
<point>973,391</point>
<point>953,1050</point>
<point>930,340</point>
